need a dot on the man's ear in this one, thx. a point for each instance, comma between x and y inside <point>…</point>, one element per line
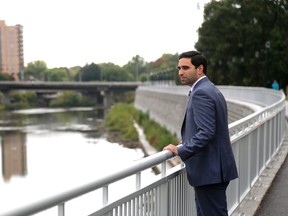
<point>200,69</point>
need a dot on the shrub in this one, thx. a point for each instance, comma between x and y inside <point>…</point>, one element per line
<point>20,100</point>
<point>119,119</point>
<point>71,99</point>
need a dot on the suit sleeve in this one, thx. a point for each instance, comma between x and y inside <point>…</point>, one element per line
<point>204,115</point>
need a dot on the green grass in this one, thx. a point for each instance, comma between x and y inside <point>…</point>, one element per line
<point>120,119</point>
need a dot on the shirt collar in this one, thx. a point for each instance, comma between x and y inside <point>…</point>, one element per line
<point>196,83</point>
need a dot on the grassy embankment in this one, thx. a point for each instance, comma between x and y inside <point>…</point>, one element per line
<point>120,120</point>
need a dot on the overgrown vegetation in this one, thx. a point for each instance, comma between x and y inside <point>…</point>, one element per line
<point>25,100</point>
<point>21,100</point>
<point>157,135</point>
<point>120,119</point>
<point>71,99</point>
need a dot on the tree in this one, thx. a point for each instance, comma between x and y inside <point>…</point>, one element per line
<point>112,72</point>
<point>164,68</point>
<point>35,70</point>
<point>90,72</point>
<point>245,41</point>
<point>57,74</point>
<point>136,66</point>
<point>74,73</point>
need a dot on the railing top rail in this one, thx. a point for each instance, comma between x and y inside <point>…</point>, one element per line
<point>67,195</point>
<point>243,126</point>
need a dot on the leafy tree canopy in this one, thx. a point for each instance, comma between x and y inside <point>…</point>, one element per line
<point>245,41</point>
<point>36,70</point>
<point>90,72</point>
<point>136,66</point>
<point>164,68</point>
<point>57,74</point>
<point>112,72</point>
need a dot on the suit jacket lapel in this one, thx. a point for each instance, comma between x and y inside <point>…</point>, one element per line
<point>188,102</point>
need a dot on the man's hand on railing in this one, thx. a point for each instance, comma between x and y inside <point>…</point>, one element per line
<point>172,148</point>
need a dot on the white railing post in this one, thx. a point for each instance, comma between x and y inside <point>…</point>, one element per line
<point>138,180</point>
<point>163,169</point>
<point>61,209</point>
<point>105,195</point>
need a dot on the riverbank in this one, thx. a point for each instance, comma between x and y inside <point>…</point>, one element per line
<point>150,150</point>
<point>150,136</point>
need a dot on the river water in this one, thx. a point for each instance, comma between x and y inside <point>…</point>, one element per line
<point>46,151</point>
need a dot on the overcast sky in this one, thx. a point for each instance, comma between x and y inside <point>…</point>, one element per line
<point>66,33</point>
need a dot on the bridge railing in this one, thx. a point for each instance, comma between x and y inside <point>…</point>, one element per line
<point>255,140</point>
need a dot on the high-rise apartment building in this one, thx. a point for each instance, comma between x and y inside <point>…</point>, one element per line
<point>11,50</point>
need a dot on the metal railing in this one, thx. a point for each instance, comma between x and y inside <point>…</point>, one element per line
<point>255,140</point>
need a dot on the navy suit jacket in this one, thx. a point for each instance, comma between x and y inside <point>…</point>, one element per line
<point>206,149</point>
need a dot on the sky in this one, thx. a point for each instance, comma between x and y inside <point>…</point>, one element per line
<point>67,33</point>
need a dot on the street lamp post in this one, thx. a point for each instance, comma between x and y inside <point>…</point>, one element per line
<point>138,66</point>
<point>137,71</point>
<point>261,78</point>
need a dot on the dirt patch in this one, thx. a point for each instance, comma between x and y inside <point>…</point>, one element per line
<point>115,137</point>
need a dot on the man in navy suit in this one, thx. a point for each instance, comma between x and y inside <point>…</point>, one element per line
<point>205,147</point>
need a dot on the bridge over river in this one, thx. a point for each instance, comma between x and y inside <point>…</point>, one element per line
<point>27,85</point>
<point>99,91</point>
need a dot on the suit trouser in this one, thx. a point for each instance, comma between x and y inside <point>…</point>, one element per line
<point>211,199</point>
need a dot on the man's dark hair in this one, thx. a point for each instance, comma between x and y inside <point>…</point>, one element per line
<point>197,59</point>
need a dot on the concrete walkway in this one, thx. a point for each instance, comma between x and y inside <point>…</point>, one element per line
<point>269,195</point>
<point>275,202</point>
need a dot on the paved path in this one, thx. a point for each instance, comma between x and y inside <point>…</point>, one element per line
<point>275,202</point>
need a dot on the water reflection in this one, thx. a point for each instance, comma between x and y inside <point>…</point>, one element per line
<point>47,151</point>
<point>14,127</point>
<point>14,157</point>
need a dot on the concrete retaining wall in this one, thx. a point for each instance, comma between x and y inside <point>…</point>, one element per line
<point>166,105</point>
